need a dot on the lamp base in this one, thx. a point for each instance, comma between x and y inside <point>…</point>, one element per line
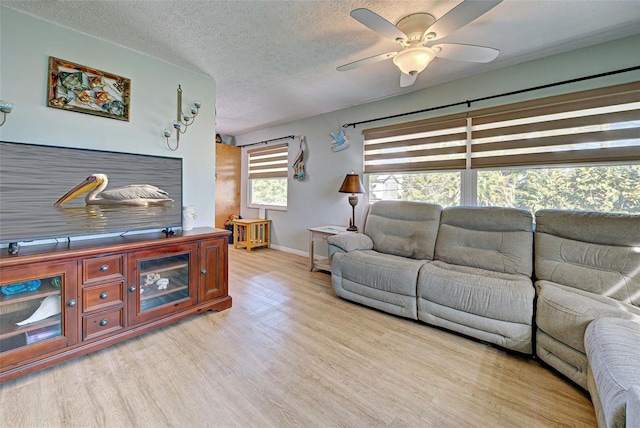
<point>353,200</point>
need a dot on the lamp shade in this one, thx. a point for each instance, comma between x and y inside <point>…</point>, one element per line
<point>352,184</point>
<point>413,60</point>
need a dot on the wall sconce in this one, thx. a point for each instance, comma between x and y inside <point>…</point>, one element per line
<point>353,185</point>
<point>182,120</point>
<point>5,108</point>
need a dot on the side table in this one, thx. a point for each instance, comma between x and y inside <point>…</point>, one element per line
<point>252,233</point>
<point>321,233</point>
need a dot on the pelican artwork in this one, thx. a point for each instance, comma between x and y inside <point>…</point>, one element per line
<point>140,195</point>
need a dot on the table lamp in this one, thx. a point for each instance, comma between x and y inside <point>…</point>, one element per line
<point>353,185</point>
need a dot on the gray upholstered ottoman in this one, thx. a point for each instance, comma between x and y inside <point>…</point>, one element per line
<point>613,354</point>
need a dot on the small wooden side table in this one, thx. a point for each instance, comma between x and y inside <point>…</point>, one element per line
<point>252,233</point>
<point>321,233</point>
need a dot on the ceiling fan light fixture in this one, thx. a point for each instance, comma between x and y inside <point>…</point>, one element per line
<point>414,60</point>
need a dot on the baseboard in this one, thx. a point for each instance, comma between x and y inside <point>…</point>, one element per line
<point>290,250</point>
<point>298,253</point>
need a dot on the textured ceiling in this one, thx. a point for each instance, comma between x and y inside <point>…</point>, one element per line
<point>275,61</point>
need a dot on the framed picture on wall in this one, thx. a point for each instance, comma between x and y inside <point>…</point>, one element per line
<point>84,89</point>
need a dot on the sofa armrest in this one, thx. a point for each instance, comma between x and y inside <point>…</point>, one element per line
<point>351,242</point>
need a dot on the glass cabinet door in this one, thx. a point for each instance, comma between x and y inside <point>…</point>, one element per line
<point>165,282</point>
<point>38,310</point>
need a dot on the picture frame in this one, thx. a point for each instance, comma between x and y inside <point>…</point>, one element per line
<point>83,89</point>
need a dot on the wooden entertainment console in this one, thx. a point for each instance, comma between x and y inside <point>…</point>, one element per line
<point>94,293</point>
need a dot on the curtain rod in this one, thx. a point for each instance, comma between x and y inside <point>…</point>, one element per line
<point>268,141</point>
<point>468,102</point>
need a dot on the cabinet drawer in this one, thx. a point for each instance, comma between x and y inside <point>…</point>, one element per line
<point>102,268</point>
<point>102,323</point>
<point>102,296</point>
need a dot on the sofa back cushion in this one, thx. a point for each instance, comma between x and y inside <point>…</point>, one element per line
<point>403,228</point>
<point>592,251</point>
<point>492,238</point>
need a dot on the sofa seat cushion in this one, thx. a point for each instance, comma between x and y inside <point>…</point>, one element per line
<point>565,312</point>
<point>494,307</point>
<point>380,271</point>
<point>613,352</point>
<point>496,295</point>
<point>378,280</point>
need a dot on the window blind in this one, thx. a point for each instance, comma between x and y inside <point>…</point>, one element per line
<point>600,125</point>
<point>268,162</point>
<point>417,146</point>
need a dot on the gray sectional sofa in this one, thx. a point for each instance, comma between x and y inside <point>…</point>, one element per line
<point>479,282</point>
<point>472,270</point>
<point>587,266</point>
<point>379,268</point>
<point>467,269</point>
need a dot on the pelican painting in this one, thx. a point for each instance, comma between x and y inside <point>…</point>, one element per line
<point>140,195</point>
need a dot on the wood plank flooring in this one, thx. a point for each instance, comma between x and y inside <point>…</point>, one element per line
<point>292,354</point>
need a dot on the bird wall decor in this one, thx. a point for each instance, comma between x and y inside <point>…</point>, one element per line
<point>340,141</point>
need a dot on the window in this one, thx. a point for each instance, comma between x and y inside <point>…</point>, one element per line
<point>614,188</point>
<point>269,191</point>
<point>439,187</point>
<point>268,176</point>
<point>576,151</point>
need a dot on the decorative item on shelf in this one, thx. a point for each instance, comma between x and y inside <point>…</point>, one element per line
<point>162,283</point>
<point>149,279</point>
<point>55,282</point>
<point>298,163</point>
<point>20,287</point>
<point>353,185</point>
<point>5,108</point>
<point>50,306</point>
<point>43,333</point>
<point>189,217</point>
<point>182,120</point>
<point>340,141</point>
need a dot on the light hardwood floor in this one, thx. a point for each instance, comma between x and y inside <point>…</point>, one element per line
<point>291,353</point>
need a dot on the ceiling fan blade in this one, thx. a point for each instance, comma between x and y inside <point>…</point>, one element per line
<point>469,53</point>
<point>458,17</point>
<point>366,61</point>
<point>407,79</point>
<point>378,24</point>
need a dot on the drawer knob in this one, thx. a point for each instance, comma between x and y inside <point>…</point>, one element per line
<point>104,295</point>
<point>132,288</point>
<point>104,322</point>
<point>71,303</point>
<point>104,268</point>
<point>203,271</point>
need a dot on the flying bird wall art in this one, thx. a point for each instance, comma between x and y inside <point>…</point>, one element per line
<point>340,141</point>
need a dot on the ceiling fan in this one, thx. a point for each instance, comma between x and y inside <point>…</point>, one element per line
<point>415,33</point>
